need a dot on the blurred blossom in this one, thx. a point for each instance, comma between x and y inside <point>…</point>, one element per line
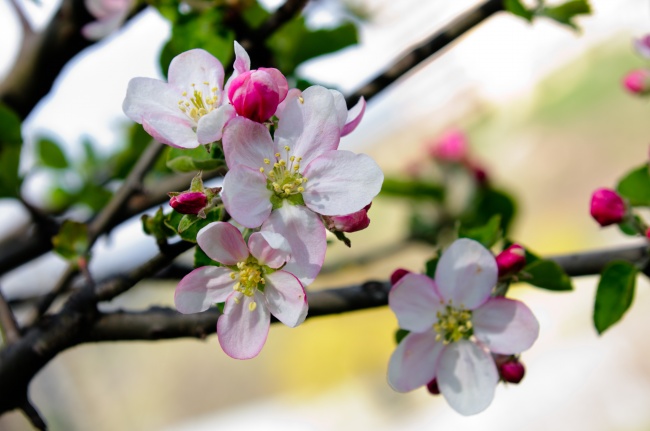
<point>450,147</point>
<point>512,371</point>
<point>637,81</point>
<point>110,15</point>
<point>642,45</point>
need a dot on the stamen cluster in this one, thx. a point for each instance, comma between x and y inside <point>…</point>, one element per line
<point>454,324</point>
<point>284,177</point>
<point>196,106</point>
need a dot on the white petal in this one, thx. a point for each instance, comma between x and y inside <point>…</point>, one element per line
<point>466,273</point>
<point>247,143</point>
<point>286,298</point>
<point>269,248</point>
<point>197,67</point>
<point>354,117</point>
<point>505,326</point>
<point>305,233</point>
<point>243,328</point>
<point>246,197</point>
<point>341,182</point>
<point>467,377</point>
<point>171,130</point>
<point>210,127</point>
<point>223,243</point>
<point>414,362</point>
<point>341,108</point>
<point>203,287</point>
<point>242,60</point>
<point>147,97</point>
<point>414,301</point>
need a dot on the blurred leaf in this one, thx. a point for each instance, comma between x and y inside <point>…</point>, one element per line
<point>411,189</point>
<point>566,12</point>
<point>180,160</point>
<point>156,226</point>
<point>10,147</point>
<point>491,202</point>
<point>72,240</point>
<point>487,235</point>
<point>515,7</point>
<point>294,43</point>
<point>400,334</point>
<point>255,15</point>
<point>430,266</point>
<point>50,154</point>
<point>615,294</point>
<point>635,186</point>
<point>95,196</point>
<point>547,275</point>
<point>202,259</point>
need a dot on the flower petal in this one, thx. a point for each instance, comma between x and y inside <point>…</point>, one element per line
<point>414,362</point>
<point>246,197</point>
<point>269,248</point>
<point>101,28</point>
<point>354,117</point>
<point>223,242</point>
<point>247,143</point>
<point>171,130</point>
<point>279,80</point>
<point>505,326</point>
<point>196,66</point>
<point>203,287</point>
<point>242,60</point>
<point>306,234</point>
<point>210,127</point>
<point>466,273</point>
<point>341,108</point>
<point>309,125</point>
<point>467,377</point>
<point>242,332</point>
<point>294,93</point>
<point>147,97</point>
<point>341,182</point>
<point>414,301</point>
<point>286,298</point>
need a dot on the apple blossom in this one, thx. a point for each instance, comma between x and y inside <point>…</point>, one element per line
<point>110,15</point>
<point>188,110</point>
<point>285,184</point>
<point>454,324</point>
<point>251,284</point>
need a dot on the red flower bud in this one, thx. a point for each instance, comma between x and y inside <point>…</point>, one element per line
<point>512,371</point>
<point>637,81</point>
<point>511,260</point>
<point>349,223</point>
<point>189,202</point>
<point>432,387</point>
<point>607,207</point>
<point>397,275</point>
<point>450,147</point>
<point>256,94</point>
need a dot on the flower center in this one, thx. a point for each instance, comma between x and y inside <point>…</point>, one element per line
<point>197,105</point>
<point>283,176</point>
<point>251,278</point>
<point>453,324</point>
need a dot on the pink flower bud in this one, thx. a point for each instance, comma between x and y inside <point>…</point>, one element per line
<point>511,260</point>
<point>189,202</point>
<point>607,207</point>
<point>432,387</point>
<point>397,275</point>
<point>512,371</point>
<point>647,233</point>
<point>450,147</point>
<point>349,223</point>
<point>256,94</point>
<point>637,81</point>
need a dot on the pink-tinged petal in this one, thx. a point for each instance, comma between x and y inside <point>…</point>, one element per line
<point>223,243</point>
<point>354,117</point>
<point>309,125</point>
<point>255,95</point>
<point>415,361</point>
<point>203,287</point>
<point>286,298</point>
<point>147,97</point>
<point>279,80</point>
<point>247,143</point>
<point>242,60</point>
<point>101,28</point>
<point>171,130</point>
<point>341,182</point>
<point>307,237</point>
<point>294,93</point>
<point>243,328</point>
<point>341,108</point>
<point>210,127</point>
<point>196,66</point>
<point>466,273</point>
<point>414,301</point>
<point>467,377</point>
<point>269,248</point>
<point>246,197</point>
<point>505,326</point>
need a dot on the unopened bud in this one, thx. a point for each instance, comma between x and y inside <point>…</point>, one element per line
<point>189,202</point>
<point>512,371</point>
<point>349,223</point>
<point>450,147</point>
<point>637,81</point>
<point>397,275</point>
<point>432,387</point>
<point>256,94</point>
<point>607,207</point>
<point>511,260</point>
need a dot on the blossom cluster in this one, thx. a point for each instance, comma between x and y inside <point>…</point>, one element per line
<point>287,184</point>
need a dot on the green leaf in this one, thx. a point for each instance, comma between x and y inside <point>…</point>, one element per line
<point>430,267</point>
<point>197,159</point>
<point>50,154</point>
<point>400,334</point>
<point>635,186</point>
<point>515,7</point>
<point>615,294</point>
<point>547,275</point>
<point>491,202</point>
<point>202,259</point>
<point>567,12</point>
<point>173,221</point>
<point>294,43</point>
<point>72,240</point>
<point>411,189</point>
<point>255,15</point>
<point>10,148</point>
<point>156,226</point>
<point>186,221</point>
<point>487,235</point>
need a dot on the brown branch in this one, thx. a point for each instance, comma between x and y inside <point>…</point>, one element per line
<point>280,17</point>
<point>8,324</point>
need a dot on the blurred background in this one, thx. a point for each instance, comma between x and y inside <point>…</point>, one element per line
<point>545,114</point>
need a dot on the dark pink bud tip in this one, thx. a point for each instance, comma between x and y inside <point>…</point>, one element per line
<point>512,371</point>
<point>511,260</point>
<point>397,275</point>
<point>637,81</point>
<point>607,207</point>
<point>189,202</point>
<point>432,387</point>
<point>350,222</point>
<point>256,94</point>
<point>647,233</point>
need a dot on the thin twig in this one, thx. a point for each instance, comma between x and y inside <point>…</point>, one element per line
<point>8,324</point>
<point>33,415</point>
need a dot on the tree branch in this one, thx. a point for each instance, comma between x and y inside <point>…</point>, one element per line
<point>8,324</point>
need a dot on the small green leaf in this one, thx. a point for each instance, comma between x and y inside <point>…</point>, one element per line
<point>196,159</point>
<point>186,221</point>
<point>173,221</point>
<point>400,334</point>
<point>255,15</point>
<point>411,189</point>
<point>72,240</point>
<point>202,259</point>
<point>567,12</point>
<point>490,202</point>
<point>615,294</point>
<point>515,7</point>
<point>635,186</point>
<point>10,148</point>
<point>487,235</point>
<point>547,275</point>
<point>156,226</point>
<point>50,154</point>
